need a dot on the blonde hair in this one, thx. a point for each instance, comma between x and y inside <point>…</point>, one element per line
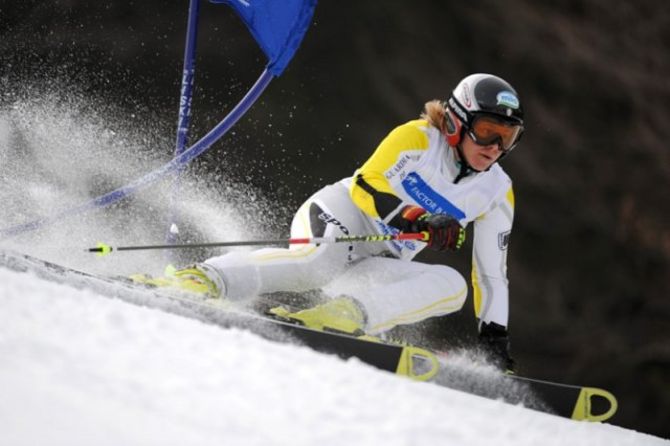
<point>434,112</point>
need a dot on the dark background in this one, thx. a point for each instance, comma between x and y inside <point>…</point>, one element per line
<point>590,250</point>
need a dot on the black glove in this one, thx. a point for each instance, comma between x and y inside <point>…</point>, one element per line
<point>445,232</point>
<point>494,341</point>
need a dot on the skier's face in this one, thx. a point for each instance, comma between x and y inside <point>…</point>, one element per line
<point>480,157</point>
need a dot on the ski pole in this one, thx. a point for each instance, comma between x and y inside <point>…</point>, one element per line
<point>103,249</point>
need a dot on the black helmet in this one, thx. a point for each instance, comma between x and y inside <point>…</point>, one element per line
<point>484,95</point>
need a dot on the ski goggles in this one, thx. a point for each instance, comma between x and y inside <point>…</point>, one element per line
<point>485,130</point>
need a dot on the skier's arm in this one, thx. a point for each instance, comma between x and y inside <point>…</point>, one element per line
<point>370,189</point>
<point>489,279</point>
<point>489,261</point>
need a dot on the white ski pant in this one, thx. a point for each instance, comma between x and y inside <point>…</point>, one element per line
<point>390,290</point>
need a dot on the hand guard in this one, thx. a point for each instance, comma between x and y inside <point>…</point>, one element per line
<point>445,232</point>
<point>494,341</point>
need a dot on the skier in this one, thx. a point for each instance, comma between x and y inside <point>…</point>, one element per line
<point>435,174</point>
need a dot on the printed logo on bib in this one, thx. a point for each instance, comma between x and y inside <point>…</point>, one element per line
<point>398,167</point>
<point>397,244</point>
<point>428,198</point>
<point>503,240</point>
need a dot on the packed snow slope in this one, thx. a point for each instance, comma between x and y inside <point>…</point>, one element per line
<point>78,368</point>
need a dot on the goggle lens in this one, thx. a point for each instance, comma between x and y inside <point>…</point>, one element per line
<point>486,130</point>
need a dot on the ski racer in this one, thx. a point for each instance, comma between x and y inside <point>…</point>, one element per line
<point>434,174</point>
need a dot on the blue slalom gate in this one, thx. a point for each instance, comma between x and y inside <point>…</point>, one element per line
<point>278,26</point>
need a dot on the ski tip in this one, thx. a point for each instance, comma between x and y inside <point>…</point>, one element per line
<point>415,358</point>
<point>583,408</point>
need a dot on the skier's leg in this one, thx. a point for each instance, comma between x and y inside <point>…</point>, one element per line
<point>394,292</point>
<point>329,212</point>
<point>376,294</point>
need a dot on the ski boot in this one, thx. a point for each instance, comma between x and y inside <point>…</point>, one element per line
<point>341,314</point>
<point>198,279</point>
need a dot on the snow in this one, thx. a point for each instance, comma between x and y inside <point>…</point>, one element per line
<point>79,368</point>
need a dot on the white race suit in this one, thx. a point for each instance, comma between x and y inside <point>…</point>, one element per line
<point>413,165</point>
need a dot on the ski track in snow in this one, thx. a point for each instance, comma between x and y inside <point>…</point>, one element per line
<point>77,368</point>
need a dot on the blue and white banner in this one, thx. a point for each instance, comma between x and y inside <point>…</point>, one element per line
<point>429,199</point>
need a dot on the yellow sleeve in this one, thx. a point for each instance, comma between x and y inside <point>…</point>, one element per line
<point>370,190</point>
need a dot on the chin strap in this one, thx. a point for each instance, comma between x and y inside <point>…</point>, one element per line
<point>466,169</point>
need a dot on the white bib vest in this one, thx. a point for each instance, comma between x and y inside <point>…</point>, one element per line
<point>426,178</point>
